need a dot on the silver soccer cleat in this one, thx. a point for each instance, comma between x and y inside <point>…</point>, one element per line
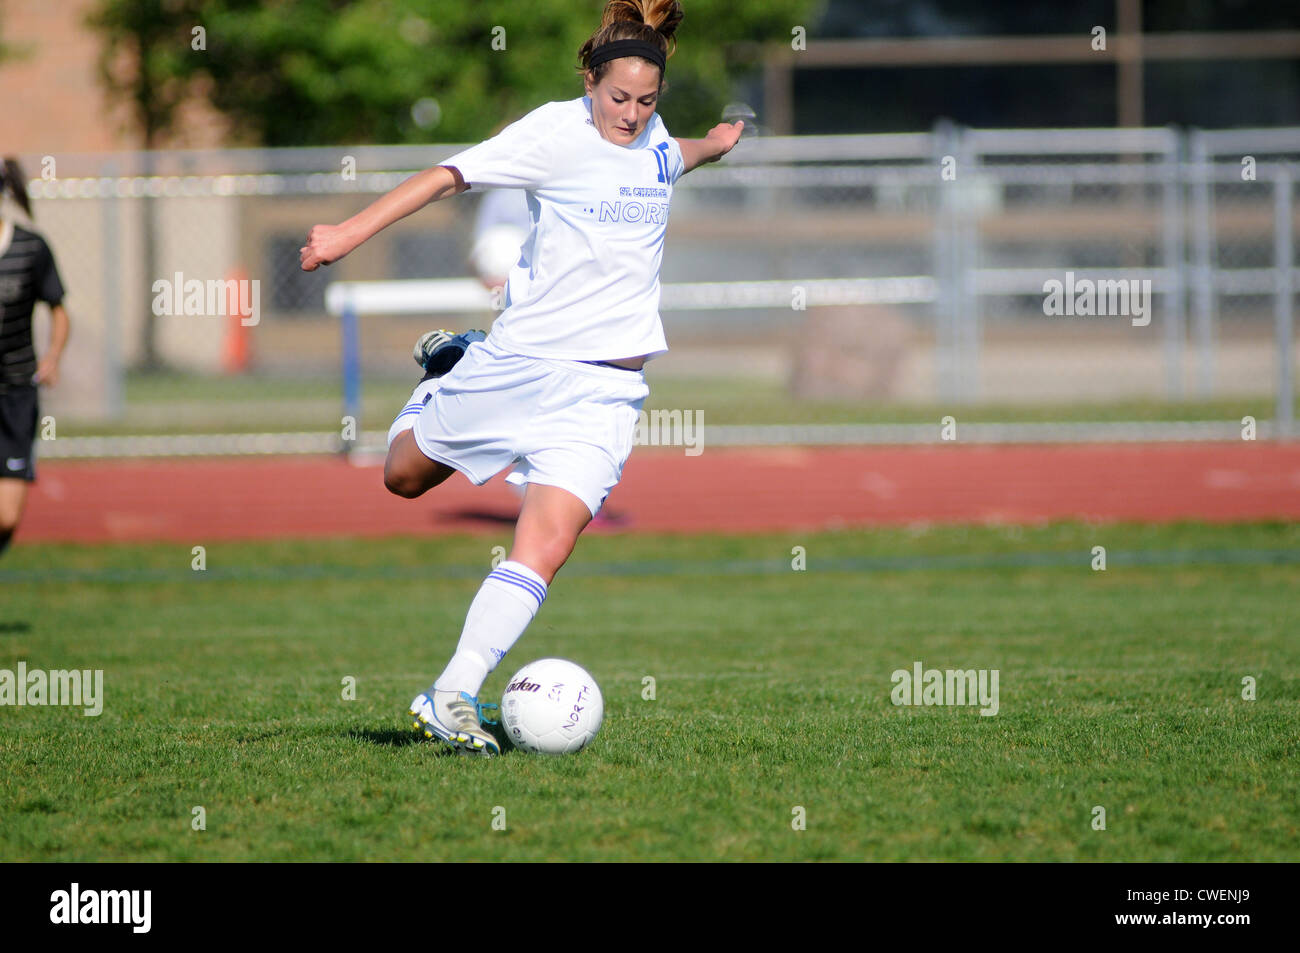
<point>455,718</point>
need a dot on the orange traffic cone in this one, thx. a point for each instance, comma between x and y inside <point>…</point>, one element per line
<point>237,350</point>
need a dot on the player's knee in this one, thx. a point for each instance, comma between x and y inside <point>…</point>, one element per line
<point>400,478</point>
<point>552,553</point>
<point>401,482</point>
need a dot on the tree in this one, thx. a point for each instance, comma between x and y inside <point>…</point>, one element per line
<point>146,60</point>
<point>325,72</point>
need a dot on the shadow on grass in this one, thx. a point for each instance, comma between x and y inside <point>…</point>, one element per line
<point>389,737</point>
<point>400,738</point>
<point>606,518</point>
<point>497,517</point>
<point>14,628</point>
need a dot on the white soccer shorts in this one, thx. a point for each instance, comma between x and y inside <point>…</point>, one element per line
<point>561,423</point>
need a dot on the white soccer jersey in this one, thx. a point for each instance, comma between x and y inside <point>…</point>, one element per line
<point>586,286</point>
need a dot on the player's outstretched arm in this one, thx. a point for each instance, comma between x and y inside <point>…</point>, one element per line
<point>716,144</point>
<point>328,243</point>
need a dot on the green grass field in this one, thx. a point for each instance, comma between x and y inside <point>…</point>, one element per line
<point>169,403</point>
<point>223,689</point>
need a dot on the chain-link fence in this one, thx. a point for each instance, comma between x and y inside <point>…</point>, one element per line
<point>1060,282</point>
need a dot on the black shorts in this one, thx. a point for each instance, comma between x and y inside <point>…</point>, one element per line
<point>19,415</point>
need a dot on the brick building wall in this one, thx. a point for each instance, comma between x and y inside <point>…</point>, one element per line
<point>55,102</point>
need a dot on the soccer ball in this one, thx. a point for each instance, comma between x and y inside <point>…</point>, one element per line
<point>552,706</point>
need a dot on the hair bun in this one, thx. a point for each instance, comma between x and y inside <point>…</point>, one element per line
<point>653,21</point>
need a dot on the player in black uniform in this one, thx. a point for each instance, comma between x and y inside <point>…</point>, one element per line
<point>27,274</point>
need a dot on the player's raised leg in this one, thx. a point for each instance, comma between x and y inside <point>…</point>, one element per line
<point>550,522</point>
<point>407,471</point>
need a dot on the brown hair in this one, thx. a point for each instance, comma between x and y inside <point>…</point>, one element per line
<point>652,21</point>
<point>12,178</point>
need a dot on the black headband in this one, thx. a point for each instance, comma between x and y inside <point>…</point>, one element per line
<point>621,48</point>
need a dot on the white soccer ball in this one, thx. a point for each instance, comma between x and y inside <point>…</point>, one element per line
<point>552,706</point>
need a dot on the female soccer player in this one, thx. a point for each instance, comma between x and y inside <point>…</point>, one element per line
<point>556,387</point>
<point>27,274</point>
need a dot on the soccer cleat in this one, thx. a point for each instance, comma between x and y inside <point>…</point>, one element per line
<point>456,718</point>
<point>438,351</point>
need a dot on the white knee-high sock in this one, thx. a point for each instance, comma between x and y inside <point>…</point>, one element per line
<point>406,419</point>
<point>507,601</point>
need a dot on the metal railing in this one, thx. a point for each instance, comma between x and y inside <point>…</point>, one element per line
<point>972,224</point>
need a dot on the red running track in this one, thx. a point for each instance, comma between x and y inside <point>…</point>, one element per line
<point>724,489</point>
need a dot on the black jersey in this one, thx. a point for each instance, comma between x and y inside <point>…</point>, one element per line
<point>27,274</point>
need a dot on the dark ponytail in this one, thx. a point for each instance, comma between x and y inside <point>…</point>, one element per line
<point>13,180</point>
<point>651,21</point>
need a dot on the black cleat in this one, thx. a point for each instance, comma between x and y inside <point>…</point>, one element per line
<point>438,351</point>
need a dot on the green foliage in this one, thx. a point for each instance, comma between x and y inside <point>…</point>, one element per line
<point>146,58</point>
<point>253,403</point>
<point>315,72</point>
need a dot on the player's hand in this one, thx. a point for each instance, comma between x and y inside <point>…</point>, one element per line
<point>326,244</point>
<point>724,136</point>
<point>47,373</point>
